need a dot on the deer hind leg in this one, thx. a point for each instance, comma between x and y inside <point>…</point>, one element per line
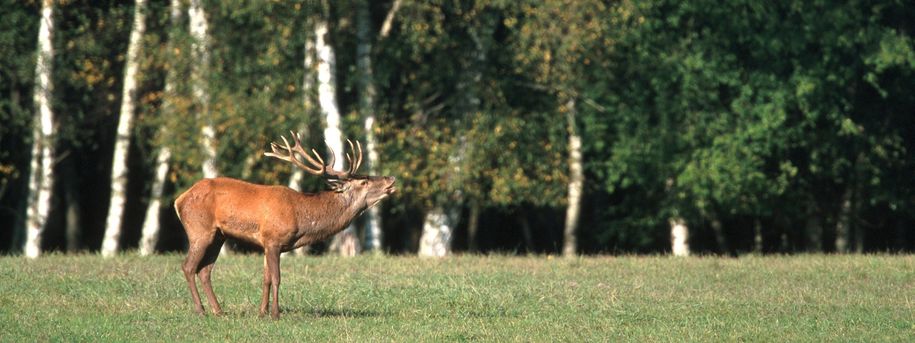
<point>197,248</point>
<point>206,268</point>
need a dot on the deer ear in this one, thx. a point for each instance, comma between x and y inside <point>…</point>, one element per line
<point>337,185</point>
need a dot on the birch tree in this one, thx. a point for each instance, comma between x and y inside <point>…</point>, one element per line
<point>346,242</point>
<point>367,107</point>
<point>679,237</point>
<point>200,51</point>
<point>308,88</point>
<point>41,176</point>
<point>151,227</point>
<point>440,222</point>
<point>200,89</point>
<point>122,140</point>
<point>576,184</point>
<point>308,85</point>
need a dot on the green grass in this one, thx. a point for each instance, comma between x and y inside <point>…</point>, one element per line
<point>463,298</point>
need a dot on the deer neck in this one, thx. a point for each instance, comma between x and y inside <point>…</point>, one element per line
<point>338,210</point>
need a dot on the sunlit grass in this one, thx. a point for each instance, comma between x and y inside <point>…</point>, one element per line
<point>371,298</point>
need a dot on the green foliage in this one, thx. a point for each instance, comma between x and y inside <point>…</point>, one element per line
<point>17,56</point>
<point>731,109</point>
<point>734,112</point>
<point>495,298</point>
<point>457,121</point>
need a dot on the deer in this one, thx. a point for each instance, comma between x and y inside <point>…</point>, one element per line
<point>275,218</point>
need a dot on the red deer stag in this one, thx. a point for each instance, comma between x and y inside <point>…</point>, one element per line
<point>276,218</point>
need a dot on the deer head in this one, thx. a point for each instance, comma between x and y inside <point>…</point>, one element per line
<point>362,189</point>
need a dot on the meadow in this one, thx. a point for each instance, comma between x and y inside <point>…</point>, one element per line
<point>808,298</point>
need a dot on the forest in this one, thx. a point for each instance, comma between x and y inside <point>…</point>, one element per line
<point>559,127</point>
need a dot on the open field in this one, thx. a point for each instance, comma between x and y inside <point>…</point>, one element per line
<point>496,298</point>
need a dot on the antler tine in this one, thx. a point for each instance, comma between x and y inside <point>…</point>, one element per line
<point>318,156</point>
<point>290,155</point>
<point>330,170</point>
<point>333,156</point>
<point>353,163</point>
<point>358,160</point>
<point>319,163</point>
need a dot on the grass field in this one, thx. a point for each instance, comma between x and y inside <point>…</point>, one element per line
<point>464,298</point>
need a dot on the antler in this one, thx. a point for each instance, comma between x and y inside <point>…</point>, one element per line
<point>317,163</point>
<point>355,161</point>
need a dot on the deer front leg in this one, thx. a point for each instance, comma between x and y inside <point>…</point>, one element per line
<point>265,294</point>
<point>273,263</point>
<point>271,282</point>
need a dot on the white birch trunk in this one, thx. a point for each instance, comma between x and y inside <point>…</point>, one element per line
<point>308,86</point>
<point>346,243</point>
<point>437,232</point>
<point>122,140</point>
<point>576,185</point>
<point>198,29</point>
<point>200,50</point>
<point>440,222</point>
<point>41,176</point>
<point>679,237</point>
<point>367,113</point>
<point>151,225</point>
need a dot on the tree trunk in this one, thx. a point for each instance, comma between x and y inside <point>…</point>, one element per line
<point>346,242</point>
<point>720,238</point>
<point>41,176</point>
<point>527,233</point>
<point>122,140</point>
<point>151,224</point>
<point>576,184</point>
<point>308,104</point>
<point>814,230</point>
<point>199,85</point>
<point>679,237</point>
<point>367,113</point>
<point>200,50</point>
<point>757,236</point>
<point>843,224</point>
<point>71,199</point>
<point>855,227</point>
<point>308,86</point>
<point>473,226</point>
<point>441,221</point>
<point>437,232</point>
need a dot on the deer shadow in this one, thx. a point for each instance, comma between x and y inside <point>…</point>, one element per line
<point>331,312</point>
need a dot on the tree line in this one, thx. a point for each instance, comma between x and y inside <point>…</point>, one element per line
<point>555,126</point>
